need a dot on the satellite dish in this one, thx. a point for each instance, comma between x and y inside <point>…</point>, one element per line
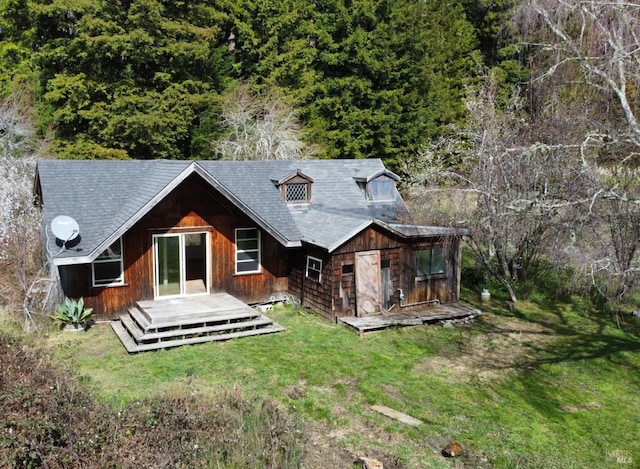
<point>65,228</point>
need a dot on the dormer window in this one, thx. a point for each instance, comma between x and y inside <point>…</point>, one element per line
<point>379,187</point>
<point>295,187</point>
<point>296,192</point>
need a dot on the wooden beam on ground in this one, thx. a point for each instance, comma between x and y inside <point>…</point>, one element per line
<point>396,415</point>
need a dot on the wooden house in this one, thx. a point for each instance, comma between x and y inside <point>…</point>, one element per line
<point>335,234</point>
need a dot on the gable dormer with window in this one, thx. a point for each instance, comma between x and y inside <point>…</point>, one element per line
<point>295,188</point>
<point>380,186</point>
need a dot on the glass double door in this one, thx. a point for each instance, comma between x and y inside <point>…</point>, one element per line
<point>181,264</point>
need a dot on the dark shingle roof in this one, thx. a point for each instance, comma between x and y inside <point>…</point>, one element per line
<point>102,196</point>
<point>107,197</point>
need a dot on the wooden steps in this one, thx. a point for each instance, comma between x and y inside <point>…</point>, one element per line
<point>163,324</point>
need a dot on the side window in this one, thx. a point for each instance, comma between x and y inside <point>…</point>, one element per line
<point>247,251</point>
<point>430,261</point>
<point>108,268</point>
<point>314,268</point>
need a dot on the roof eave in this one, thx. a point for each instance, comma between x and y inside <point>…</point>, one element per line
<point>291,175</point>
<point>444,230</point>
<point>381,172</point>
<point>350,235</point>
<point>61,261</point>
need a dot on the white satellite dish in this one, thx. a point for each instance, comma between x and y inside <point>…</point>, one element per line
<point>65,228</point>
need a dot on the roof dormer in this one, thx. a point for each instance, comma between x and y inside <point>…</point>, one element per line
<point>380,186</point>
<point>295,187</point>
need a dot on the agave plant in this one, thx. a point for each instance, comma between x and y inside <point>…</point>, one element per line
<point>72,313</point>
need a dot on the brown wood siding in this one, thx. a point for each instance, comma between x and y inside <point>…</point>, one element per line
<point>193,206</point>
<point>296,260</point>
<point>371,239</point>
<point>400,255</point>
<point>442,287</point>
<point>393,257</point>
<point>344,285</point>
<point>316,295</point>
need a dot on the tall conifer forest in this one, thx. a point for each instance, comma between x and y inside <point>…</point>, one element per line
<point>154,78</point>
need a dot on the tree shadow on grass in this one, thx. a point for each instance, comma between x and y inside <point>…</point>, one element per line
<point>585,336</point>
<point>569,337</point>
<point>574,334</point>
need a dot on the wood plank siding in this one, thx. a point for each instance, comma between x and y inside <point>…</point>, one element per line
<point>335,295</point>
<point>192,207</point>
<point>442,287</point>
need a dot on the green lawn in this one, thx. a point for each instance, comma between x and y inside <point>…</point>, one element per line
<point>538,387</point>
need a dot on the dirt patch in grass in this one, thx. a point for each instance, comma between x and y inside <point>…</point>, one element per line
<point>392,391</point>
<point>579,407</point>
<point>506,345</point>
<point>344,437</point>
<point>327,446</point>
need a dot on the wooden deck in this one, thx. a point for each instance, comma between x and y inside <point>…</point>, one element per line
<point>428,315</point>
<point>157,324</point>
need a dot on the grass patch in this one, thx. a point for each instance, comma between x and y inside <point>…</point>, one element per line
<point>541,386</point>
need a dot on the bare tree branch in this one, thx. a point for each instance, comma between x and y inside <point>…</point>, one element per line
<point>260,129</point>
<point>19,219</point>
<point>601,37</point>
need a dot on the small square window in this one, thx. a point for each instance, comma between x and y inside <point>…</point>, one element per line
<point>347,269</point>
<point>296,192</point>
<point>314,268</point>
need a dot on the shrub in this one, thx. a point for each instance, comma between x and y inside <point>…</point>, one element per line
<point>72,312</point>
<point>50,422</point>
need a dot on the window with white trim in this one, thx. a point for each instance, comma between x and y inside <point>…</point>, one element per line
<point>314,268</point>
<point>430,261</point>
<point>247,251</point>
<point>108,268</point>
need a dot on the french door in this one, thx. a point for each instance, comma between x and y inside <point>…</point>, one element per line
<point>181,264</point>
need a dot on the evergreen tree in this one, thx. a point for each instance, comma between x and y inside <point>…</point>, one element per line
<point>373,79</point>
<point>144,78</point>
<point>128,78</point>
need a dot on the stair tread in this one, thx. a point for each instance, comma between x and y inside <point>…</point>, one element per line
<point>139,317</point>
<point>124,336</point>
<point>131,325</point>
<point>261,321</point>
<point>203,311</point>
<point>244,313</point>
<point>133,347</point>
